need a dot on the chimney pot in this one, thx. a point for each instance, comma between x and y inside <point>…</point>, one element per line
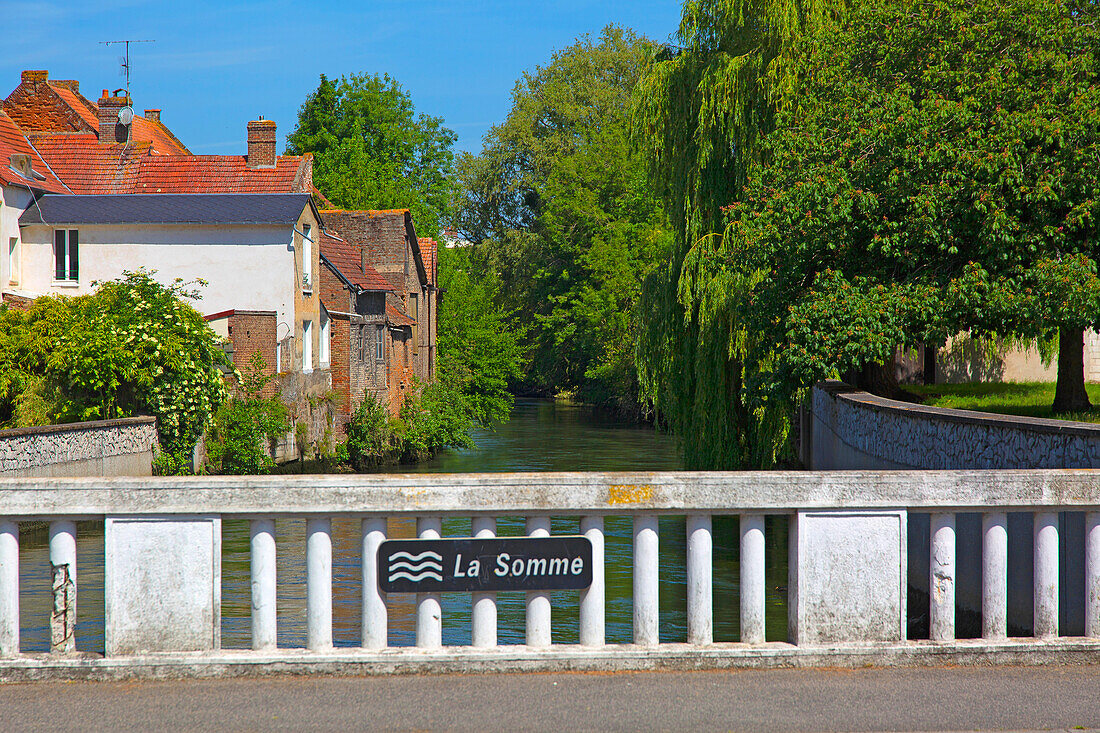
<point>261,143</point>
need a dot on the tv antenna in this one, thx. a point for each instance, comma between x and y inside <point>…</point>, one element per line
<point>124,61</point>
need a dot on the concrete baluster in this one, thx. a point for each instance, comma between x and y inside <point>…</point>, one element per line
<point>646,588</point>
<point>1092,574</point>
<point>429,610</point>
<point>941,581</point>
<point>592,597</point>
<point>1046,574</point>
<point>700,604</point>
<point>63,564</point>
<point>538,602</point>
<point>264,609</point>
<point>319,583</point>
<point>9,588</point>
<point>995,576</point>
<point>375,622</point>
<point>483,621</point>
<point>753,582</point>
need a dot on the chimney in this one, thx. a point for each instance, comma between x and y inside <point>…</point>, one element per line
<point>110,131</point>
<point>153,115</point>
<point>34,78</point>
<point>261,143</point>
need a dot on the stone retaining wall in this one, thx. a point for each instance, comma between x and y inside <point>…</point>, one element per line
<point>856,430</point>
<point>122,447</point>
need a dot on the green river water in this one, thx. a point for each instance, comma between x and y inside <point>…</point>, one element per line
<point>540,436</point>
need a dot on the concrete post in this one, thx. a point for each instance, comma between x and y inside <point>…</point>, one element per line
<point>375,620</point>
<point>319,583</point>
<point>1092,574</point>
<point>1046,574</point>
<point>429,609</point>
<point>592,597</point>
<point>752,578</point>
<point>264,608</point>
<point>483,614</point>
<point>995,576</point>
<point>9,588</point>
<point>700,602</point>
<point>646,587</point>
<point>538,602</point>
<point>63,563</point>
<point>941,581</point>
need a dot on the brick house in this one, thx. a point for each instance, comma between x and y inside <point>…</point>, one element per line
<point>372,337</point>
<point>387,240</point>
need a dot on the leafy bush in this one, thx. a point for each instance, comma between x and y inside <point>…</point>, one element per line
<point>245,428</point>
<point>371,435</point>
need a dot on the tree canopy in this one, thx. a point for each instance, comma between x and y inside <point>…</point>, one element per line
<point>372,151</point>
<point>933,177</point>
<point>560,206</point>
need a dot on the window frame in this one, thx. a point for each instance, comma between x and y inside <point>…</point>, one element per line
<point>67,240</point>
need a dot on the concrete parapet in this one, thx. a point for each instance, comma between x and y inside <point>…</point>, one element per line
<point>122,447</point>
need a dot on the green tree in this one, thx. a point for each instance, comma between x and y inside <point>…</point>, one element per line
<point>930,181</point>
<point>240,442</point>
<point>372,151</point>
<point>560,206</point>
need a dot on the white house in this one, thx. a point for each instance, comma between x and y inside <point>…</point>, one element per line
<point>255,253</point>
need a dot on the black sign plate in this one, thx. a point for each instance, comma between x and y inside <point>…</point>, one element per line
<point>500,563</point>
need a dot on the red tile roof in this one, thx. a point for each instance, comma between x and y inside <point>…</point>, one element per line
<point>396,318</point>
<point>346,258</point>
<point>163,142</point>
<point>218,174</point>
<point>428,252</point>
<point>88,166</point>
<point>12,142</point>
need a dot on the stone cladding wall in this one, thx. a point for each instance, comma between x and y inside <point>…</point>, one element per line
<point>121,447</point>
<point>853,429</point>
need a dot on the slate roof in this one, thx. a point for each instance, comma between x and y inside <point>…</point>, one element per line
<point>12,142</point>
<point>168,209</point>
<point>348,262</point>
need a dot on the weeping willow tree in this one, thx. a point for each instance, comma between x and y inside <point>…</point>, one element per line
<point>701,111</point>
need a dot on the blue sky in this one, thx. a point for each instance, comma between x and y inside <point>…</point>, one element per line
<point>216,65</point>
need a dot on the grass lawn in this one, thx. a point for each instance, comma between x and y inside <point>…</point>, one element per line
<point>1030,399</point>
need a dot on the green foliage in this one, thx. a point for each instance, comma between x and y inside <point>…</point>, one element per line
<point>440,418</point>
<point>930,180</point>
<point>371,435</point>
<point>372,151</point>
<point>242,438</point>
<point>479,348</point>
<point>560,207</point>
<point>133,347</point>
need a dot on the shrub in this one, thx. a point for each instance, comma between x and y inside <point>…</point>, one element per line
<point>372,435</point>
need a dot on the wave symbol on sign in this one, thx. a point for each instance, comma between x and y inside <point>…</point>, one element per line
<point>411,567</point>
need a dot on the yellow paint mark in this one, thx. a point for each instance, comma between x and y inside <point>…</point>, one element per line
<point>630,494</point>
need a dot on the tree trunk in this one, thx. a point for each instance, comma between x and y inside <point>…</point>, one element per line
<point>882,380</point>
<point>1070,394</point>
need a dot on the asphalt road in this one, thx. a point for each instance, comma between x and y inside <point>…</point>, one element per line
<point>956,698</point>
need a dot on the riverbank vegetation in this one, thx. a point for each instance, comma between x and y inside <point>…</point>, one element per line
<point>560,210</point>
<point>845,180</point>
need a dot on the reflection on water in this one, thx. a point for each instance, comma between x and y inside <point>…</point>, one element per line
<point>540,436</point>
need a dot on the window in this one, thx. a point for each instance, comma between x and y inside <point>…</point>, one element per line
<point>362,348</point>
<point>307,346</point>
<point>379,344</point>
<point>414,311</point>
<point>325,336</point>
<point>66,254</point>
<point>13,261</point>
<point>307,256</point>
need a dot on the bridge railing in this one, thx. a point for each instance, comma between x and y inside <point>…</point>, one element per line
<point>848,550</point>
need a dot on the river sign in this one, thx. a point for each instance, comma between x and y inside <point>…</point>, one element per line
<point>499,563</point>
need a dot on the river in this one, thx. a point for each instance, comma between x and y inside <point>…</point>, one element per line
<point>541,435</point>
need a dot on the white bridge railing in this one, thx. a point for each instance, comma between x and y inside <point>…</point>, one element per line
<point>848,562</point>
